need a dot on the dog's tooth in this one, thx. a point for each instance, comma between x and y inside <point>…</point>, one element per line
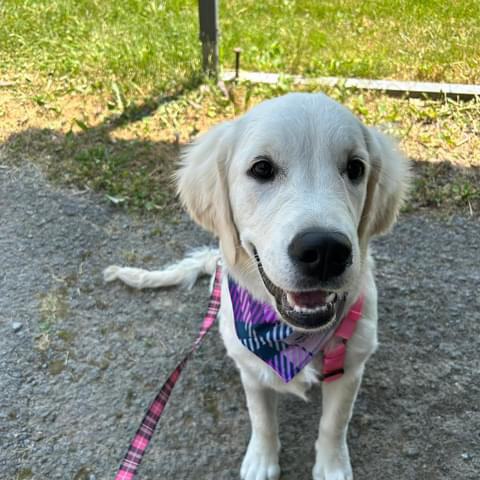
<point>306,310</point>
<point>290,300</point>
<point>330,298</point>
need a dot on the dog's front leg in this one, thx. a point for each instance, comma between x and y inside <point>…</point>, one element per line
<point>261,460</point>
<point>332,457</point>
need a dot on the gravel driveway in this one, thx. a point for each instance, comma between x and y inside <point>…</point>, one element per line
<point>80,360</point>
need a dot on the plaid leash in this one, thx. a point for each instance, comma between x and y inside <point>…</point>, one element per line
<point>142,437</point>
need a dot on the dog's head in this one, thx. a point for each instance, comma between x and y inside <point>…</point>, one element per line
<point>294,189</point>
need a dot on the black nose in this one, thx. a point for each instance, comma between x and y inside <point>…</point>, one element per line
<point>320,254</point>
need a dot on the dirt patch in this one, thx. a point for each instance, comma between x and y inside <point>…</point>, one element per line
<point>130,151</point>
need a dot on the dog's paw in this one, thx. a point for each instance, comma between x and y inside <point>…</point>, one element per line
<point>260,462</point>
<point>332,463</point>
<point>327,474</point>
<point>111,273</point>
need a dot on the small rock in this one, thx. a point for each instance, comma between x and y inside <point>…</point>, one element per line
<point>17,326</point>
<point>44,414</point>
<point>366,419</point>
<point>411,452</point>
<point>457,220</point>
<point>71,210</point>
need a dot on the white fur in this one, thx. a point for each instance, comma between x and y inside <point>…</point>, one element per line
<point>309,137</point>
<point>185,272</point>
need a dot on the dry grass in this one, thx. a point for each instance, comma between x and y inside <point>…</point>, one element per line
<point>130,153</point>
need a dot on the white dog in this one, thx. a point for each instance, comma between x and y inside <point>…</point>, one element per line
<point>294,190</point>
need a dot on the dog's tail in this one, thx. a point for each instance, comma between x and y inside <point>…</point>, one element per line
<point>197,263</point>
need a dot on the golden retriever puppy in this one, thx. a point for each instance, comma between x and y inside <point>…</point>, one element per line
<point>294,189</point>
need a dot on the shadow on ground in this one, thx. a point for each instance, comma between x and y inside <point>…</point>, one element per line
<point>134,170</point>
<point>137,171</point>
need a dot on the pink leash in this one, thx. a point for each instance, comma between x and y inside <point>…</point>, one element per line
<point>140,441</point>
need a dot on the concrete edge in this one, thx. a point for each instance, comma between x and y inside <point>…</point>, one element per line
<point>392,87</point>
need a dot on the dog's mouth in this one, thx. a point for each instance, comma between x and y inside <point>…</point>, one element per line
<point>305,310</point>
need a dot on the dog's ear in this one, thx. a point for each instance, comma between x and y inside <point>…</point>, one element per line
<point>387,185</point>
<point>203,188</point>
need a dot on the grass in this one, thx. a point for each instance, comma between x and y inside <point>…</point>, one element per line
<point>53,307</point>
<point>102,94</point>
<point>131,48</point>
<point>401,39</point>
<point>131,158</point>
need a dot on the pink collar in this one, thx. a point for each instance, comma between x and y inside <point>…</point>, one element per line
<point>334,351</point>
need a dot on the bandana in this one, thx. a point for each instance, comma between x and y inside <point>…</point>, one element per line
<point>285,350</point>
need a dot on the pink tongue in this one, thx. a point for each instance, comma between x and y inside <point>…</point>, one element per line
<point>309,299</point>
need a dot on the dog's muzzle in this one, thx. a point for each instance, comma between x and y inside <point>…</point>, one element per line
<point>305,310</point>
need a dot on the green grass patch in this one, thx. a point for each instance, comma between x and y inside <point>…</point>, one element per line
<point>442,185</point>
<point>401,39</point>
<point>132,172</point>
<point>131,48</point>
<point>114,171</point>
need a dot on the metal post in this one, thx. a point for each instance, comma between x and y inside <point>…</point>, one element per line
<point>237,51</point>
<point>208,15</point>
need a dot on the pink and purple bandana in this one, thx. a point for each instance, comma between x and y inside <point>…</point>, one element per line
<point>285,350</point>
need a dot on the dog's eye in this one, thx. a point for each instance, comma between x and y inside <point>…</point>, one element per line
<point>262,169</point>
<point>355,169</point>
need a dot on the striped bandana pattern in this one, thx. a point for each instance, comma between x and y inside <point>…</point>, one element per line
<point>286,351</point>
